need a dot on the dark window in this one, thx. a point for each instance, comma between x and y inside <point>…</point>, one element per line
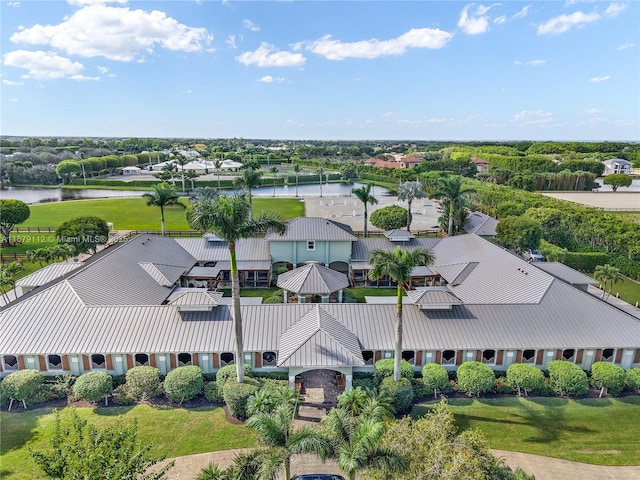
<point>449,357</point>
<point>55,362</point>
<point>226,359</point>
<point>10,362</point>
<point>141,359</point>
<point>489,356</point>
<point>311,245</point>
<point>528,356</point>
<point>568,354</point>
<point>269,359</point>
<point>608,354</point>
<point>184,359</point>
<point>409,356</point>
<point>98,361</point>
<point>367,356</point>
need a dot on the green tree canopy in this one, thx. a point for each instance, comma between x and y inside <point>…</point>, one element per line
<point>617,180</point>
<point>67,169</point>
<point>519,233</point>
<point>389,218</point>
<point>12,213</point>
<point>83,233</point>
<point>163,195</point>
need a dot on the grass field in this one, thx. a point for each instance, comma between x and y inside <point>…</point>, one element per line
<point>172,431</point>
<point>627,290</point>
<point>596,431</point>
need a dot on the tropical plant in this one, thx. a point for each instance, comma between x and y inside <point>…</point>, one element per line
<point>230,218</point>
<point>274,172</point>
<point>191,175</point>
<point>217,164</point>
<point>451,189</point>
<point>366,197</point>
<point>62,251</point>
<point>236,396</point>
<point>409,191</point>
<point>608,275</point>
<point>8,273</point>
<point>163,195</point>
<point>353,400</point>
<point>397,265</point>
<point>249,180</point>
<point>169,169</point>
<point>12,213</point>
<point>296,170</point>
<point>182,161</point>
<point>203,193</point>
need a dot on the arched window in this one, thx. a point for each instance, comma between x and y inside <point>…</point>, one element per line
<point>367,356</point>
<point>528,356</point>
<point>448,357</point>
<point>184,359</point>
<point>54,362</point>
<point>141,360</point>
<point>489,357</point>
<point>608,355</point>
<point>568,354</point>
<point>98,361</point>
<point>409,356</point>
<point>10,362</point>
<point>226,359</point>
<point>268,359</point>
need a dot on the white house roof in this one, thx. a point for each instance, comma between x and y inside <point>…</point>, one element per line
<point>433,296</point>
<point>313,278</point>
<point>314,228</point>
<point>47,274</point>
<point>481,224</point>
<point>565,273</point>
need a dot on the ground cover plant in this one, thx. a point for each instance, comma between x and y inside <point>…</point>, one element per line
<point>172,431</point>
<point>590,430</point>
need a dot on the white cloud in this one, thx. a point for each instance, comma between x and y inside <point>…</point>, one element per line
<point>82,78</point>
<point>601,78</point>
<point>522,13</point>
<point>13,4</point>
<point>593,111</point>
<point>533,117</point>
<point>531,63</point>
<point>11,83</point>
<point>42,65</point>
<point>270,79</point>
<point>564,23</point>
<point>624,46</point>
<point>500,20</point>
<point>615,9</point>
<point>231,41</point>
<point>249,25</point>
<point>266,56</point>
<point>117,33</point>
<point>13,100</point>
<point>374,48</point>
<point>476,22</point>
<point>103,70</point>
<point>188,92</point>
<point>388,114</point>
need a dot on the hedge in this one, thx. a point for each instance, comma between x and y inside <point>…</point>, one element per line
<point>183,383</point>
<point>435,378</point>
<point>567,378</point>
<point>384,368</point>
<point>228,372</point>
<point>23,386</point>
<point>401,393</point>
<point>143,382</point>
<point>93,386</point>
<point>609,378</point>
<point>525,377</point>
<point>632,379</point>
<point>236,395</point>
<point>475,377</point>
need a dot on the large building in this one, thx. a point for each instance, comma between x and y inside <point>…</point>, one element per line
<point>153,301</point>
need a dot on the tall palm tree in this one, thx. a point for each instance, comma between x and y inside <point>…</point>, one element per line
<point>249,180</point>
<point>8,274</point>
<point>365,196</point>
<point>218,164</point>
<point>191,175</point>
<point>450,188</point>
<point>170,168</point>
<point>163,195</point>
<point>296,169</point>
<point>274,171</point>
<point>397,265</point>
<point>409,191</point>
<point>182,161</point>
<point>203,193</point>
<point>607,274</point>
<point>62,251</point>
<point>356,443</point>
<point>320,172</point>
<point>230,218</point>
<point>276,432</point>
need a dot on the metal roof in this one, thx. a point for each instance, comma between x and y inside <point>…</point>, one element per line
<point>565,273</point>
<point>194,296</point>
<point>481,224</point>
<point>360,249</point>
<point>318,339</point>
<point>433,296</point>
<point>48,274</point>
<point>314,228</point>
<point>206,251</point>
<point>398,235</point>
<point>313,278</point>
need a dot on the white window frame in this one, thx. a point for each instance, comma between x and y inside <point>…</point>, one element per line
<point>448,362</point>
<point>533,359</point>
<point>267,364</point>
<point>181,364</point>
<point>50,366</point>
<point>95,366</point>
<point>495,356</point>
<point>138,364</point>
<point>8,368</point>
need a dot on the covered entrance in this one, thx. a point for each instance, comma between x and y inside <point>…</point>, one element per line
<point>320,387</point>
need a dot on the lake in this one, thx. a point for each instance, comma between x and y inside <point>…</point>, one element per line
<point>32,195</point>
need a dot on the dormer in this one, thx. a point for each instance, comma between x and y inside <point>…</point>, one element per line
<point>194,299</point>
<point>433,298</point>
<point>398,235</point>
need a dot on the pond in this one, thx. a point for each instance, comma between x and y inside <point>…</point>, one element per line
<point>32,195</point>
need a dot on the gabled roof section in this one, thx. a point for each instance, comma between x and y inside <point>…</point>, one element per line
<point>194,296</point>
<point>481,224</point>
<point>313,278</point>
<point>565,273</point>
<point>360,249</point>
<point>456,273</point>
<point>204,250</point>
<point>47,274</point>
<point>318,339</point>
<point>138,272</point>
<point>399,235</point>
<point>433,298</point>
<point>314,228</point>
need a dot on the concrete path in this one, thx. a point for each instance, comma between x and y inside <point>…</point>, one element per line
<point>544,468</point>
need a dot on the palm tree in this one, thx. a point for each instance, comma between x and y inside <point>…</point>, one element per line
<point>191,175</point>
<point>275,430</point>
<point>230,218</point>
<point>203,193</point>
<point>249,180</point>
<point>320,172</point>
<point>274,171</point>
<point>218,164</point>
<point>182,161</point>
<point>450,188</point>
<point>409,191</point>
<point>169,169</point>
<point>163,195</point>
<point>365,196</point>
<point>356,443</point>
<point>607,274</point>
<point>296,170</point>
<point>8,274</point>
<point>397,265</point>
<point>62,250</point>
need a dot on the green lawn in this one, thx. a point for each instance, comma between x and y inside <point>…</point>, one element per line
<point>172,431</point>
<point>134,214</point>
<point>596,431</point>
<point>361,292</point>
<point>628,290</point>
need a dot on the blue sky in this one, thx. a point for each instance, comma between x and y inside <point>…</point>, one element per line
<point>422,70</point>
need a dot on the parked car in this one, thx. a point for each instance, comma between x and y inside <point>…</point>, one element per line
<point>533,256</point>
<point>317,476</point>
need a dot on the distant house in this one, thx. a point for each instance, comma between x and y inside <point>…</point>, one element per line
<point>617,165</point>
<point>410,161</point>
<point>399,161</point>
<point>481,165</point>
<point>376,162</point>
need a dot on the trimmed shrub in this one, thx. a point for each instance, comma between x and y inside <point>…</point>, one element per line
<point>93,386</point>
<point>144,383</point>
<point>365,383</point>
<point>388,218</point>
<point>228,372</point>
<point>567,378</point>
<point>23,386</point>
<point>384,368</point>
<point>183,383</point>
<point>525,378</point>
<point>121,396</point>
<point>632,379</point>
<point>236,396</point>
<point>609,378</point>
<point>435,378</point>
<point>475,378</point>
<point>212,393</point>
<point>272,375</point>
<point>500,385</point>
<point>400,392</point>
